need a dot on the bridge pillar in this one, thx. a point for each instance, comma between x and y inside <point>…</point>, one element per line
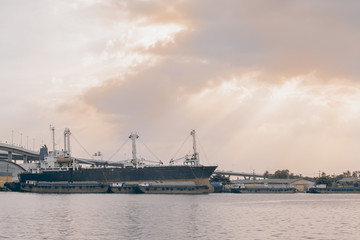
<point>25,159</point>
<point>9,156</point>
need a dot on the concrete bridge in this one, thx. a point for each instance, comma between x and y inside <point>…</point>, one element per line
<point>17,153</point>
<point>241,174</point>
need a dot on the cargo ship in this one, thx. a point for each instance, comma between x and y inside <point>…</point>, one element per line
<point>61,173</point>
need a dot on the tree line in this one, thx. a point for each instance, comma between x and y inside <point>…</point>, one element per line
<point>323,178</point>
<point>333,180</point>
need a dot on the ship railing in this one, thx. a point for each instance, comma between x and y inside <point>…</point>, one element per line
<point>56,169</point>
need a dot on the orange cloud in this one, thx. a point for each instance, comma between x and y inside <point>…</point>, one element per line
<point>268,85</point>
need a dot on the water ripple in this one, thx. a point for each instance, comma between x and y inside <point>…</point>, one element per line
<point>213,216</point>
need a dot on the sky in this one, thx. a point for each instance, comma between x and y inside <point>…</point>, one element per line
<point>267,85</point>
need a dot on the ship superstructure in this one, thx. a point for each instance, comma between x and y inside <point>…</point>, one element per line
<point>58,159</point>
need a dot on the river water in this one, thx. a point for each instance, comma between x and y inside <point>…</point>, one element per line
<point>213,216</point>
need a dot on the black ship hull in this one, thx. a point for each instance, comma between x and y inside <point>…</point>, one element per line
<point>107,175</point>
<point>199,175</point>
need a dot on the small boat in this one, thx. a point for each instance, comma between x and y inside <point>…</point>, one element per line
<point>331,190</point>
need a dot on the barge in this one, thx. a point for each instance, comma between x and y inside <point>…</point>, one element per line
<point>336,190</point>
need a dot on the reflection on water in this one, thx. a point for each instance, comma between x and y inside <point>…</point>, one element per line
<point>213,216</point>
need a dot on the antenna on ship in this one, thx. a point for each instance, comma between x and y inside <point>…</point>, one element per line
<point>133,136</point>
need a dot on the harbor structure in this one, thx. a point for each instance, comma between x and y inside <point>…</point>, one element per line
<point>9,172</point>
<point>297,184</point>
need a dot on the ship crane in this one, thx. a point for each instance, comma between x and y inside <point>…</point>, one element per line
<point>190,159</point>
<point>159,162</point>
<point>172,161</point>
<point>194,158</point>
<point>134,160</point>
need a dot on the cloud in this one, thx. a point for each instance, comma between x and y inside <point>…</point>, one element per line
<point>267,85</point>
<point>248,123</point>
<point>295,124</point>
<point>289,38</point>
<point>292,81</point>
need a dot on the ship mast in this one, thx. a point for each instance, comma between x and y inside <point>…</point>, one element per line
<point>133,138</point>
<point>52,129</point>
<point>195,158</point>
